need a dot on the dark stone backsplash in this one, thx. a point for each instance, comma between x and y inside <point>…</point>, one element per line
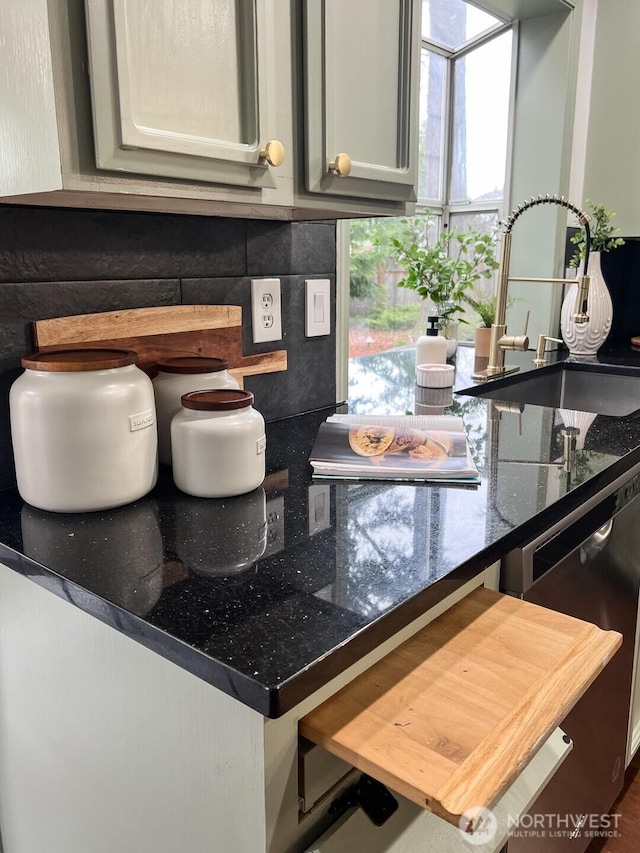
<point>621,271</point>
<point>56,262</point>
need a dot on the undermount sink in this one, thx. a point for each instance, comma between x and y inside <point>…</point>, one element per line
<point>601,389</point>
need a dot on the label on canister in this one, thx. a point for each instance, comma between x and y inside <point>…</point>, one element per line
<point>142,420</point>
<point>261,443</point>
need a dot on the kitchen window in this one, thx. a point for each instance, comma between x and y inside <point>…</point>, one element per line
<point>466,85</point>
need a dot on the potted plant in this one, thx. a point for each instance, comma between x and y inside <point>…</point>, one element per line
<point>443,269</point>
<point>584,339</point>
<point>603,234</point>
<point>484,304</point>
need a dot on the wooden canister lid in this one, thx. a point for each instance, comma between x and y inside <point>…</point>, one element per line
<point>192,364</point>
<point>77,360</point>
<point>217,400</point>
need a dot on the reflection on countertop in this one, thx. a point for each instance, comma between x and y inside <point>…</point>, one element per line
<point>270,595</point>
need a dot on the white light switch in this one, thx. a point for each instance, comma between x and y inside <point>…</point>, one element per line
<point>318,307</point>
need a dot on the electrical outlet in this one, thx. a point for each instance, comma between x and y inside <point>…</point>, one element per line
<point>318,319</point>
<point>266,309</point>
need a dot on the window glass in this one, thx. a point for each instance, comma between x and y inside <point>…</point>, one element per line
<point>433,72</point>
<point>485,223</point>
<point>382,315</point>
<point>481,81</point>
<point>463,140</point>
<point>451,23</point>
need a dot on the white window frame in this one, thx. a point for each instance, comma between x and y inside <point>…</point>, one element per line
<point>439,207</point>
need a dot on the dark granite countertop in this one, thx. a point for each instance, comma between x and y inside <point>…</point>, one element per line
<point>346,564</point>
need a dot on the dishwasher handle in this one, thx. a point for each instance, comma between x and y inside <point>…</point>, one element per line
<point>590,534</point>
<point>597,542</point>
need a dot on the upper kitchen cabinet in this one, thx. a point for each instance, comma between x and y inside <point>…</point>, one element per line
<point>29,161</point>
<point>361,78</point>
<point>253,108</point>
<point>186,90</point>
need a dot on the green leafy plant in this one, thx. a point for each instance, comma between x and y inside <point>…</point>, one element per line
<point>484,304</point>
<point>443,269</point>
<point>368,254</point>
<point>391,318</point>
<point>603,234</point>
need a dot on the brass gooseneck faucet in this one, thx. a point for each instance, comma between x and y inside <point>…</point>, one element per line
<point>500,341</point>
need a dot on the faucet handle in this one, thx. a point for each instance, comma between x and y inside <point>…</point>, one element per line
<point>516,342</point>
<point>540,349</point>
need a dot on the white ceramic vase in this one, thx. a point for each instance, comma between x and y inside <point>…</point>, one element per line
<point>585,339</point>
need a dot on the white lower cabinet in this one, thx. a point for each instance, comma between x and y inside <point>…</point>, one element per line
<point>107,746</point>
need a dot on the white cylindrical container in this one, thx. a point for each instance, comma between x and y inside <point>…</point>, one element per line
<point>218,444</point>
<point>431,348</point>
<point>178,376</point>
<point>435,375</point>
<point>83,430</point>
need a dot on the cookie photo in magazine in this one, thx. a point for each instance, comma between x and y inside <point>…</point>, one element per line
<point>403,447</point>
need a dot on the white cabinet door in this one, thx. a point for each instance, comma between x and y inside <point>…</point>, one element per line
<point>361,70</point>
<point>185,89</point>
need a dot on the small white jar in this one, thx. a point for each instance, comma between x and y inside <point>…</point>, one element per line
<point>83,430</point>
<point>180,375</point>
<point>435,375</point>
<point>218,444</point>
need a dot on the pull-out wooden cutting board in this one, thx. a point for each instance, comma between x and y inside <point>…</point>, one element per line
<point>156,333</point>
<point>451,717</point>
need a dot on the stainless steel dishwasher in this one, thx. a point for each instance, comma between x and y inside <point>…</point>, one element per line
<point>587,566</point>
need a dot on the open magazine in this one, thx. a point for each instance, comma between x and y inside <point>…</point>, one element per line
<point>393,448</point>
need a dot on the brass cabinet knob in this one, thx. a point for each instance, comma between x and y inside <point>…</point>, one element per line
<point>341,165</point>
<point>273,153</point>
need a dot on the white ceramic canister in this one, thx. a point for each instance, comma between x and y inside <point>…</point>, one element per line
<point>218,444</point>
<point>180,375</point>
<point>83,430</point>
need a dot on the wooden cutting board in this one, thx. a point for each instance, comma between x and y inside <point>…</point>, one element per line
<point>451,717</point>
<point>155,333</point>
